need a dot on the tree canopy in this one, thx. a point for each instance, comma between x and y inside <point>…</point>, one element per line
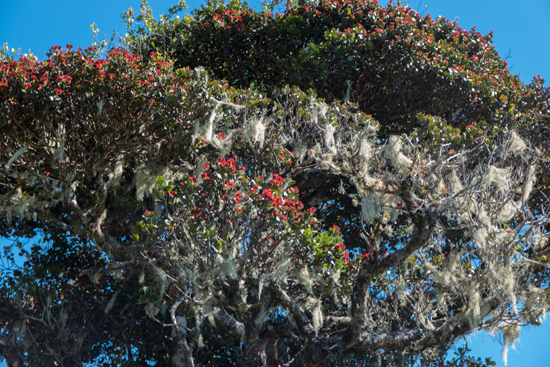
<point>339,184</point>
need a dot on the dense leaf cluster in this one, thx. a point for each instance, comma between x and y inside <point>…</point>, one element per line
<point>393,62</point>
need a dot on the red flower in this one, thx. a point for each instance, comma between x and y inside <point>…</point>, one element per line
<point>277,180</point>
<point>193,179</point>
<point>147,212</point>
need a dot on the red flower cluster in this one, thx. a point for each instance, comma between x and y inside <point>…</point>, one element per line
<point>275,200</point>
<point>293,204</point>
<point>230,164</point>
<point>208,178</point>
<point>277,180</point>
<point>342,248</point>
<point>228,185</point>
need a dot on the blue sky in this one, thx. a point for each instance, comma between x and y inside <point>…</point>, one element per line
<point>521,33</point>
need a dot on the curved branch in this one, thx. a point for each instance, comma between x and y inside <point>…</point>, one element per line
<point>425,225</point>
<point>304,325</point>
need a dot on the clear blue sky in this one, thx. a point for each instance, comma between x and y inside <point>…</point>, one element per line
<point>521,31</point>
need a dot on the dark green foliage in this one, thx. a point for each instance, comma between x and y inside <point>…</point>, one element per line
<point>393,62</point>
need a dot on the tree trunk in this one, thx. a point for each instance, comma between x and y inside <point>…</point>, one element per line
<point>13,359</point>
<point>183,357</point>
<point>253,352</point>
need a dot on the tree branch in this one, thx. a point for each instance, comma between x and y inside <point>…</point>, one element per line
<point>305,327</point>
<point>425,223</point>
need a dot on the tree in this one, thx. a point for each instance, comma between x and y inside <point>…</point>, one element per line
<point>192,221</point>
